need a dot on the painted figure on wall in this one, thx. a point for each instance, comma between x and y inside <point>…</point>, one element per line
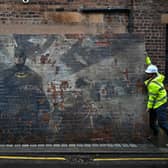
<point>81,93</point>
<point>23,100</point>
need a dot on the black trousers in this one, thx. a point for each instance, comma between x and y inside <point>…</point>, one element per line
<point>153,122</point>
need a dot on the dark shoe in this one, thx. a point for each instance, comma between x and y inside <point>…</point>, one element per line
<point>152,137</point>
<point>149,138</point>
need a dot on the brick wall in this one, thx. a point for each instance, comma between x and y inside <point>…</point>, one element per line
<point>37,11</point>
<point>147,19</point>
<point>88,83</point>
<point>78,37</point>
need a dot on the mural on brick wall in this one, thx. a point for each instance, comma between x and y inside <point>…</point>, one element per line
<point>71,88</point>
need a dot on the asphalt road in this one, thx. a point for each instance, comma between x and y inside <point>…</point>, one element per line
<point>107,164</point>
<point>83,161</point>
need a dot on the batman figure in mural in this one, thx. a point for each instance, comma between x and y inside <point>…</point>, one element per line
<point>24,108</point>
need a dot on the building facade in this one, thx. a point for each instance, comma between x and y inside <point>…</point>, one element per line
<point>90,58</point>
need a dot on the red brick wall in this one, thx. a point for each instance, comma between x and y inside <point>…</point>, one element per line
<point>63,17</point>
<point>147,20</point>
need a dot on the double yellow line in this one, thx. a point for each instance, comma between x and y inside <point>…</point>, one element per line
<point>32,158</point>
<point>95,159</point>
<point>133,159</point>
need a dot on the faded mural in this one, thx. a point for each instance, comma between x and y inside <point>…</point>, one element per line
<point>71,89</point>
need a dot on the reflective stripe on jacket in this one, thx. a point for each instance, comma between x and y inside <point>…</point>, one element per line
<point>157,94</point>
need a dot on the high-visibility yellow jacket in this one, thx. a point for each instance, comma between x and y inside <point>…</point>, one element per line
<point>157,94</point>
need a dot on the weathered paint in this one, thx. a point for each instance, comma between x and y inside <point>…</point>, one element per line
<point>92,89</point>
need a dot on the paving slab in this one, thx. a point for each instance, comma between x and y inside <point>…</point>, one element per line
<point>83,148</point>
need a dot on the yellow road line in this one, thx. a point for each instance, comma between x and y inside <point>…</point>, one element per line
<point>96,159</point>
<point>131,159</point>
<point>32,158</point>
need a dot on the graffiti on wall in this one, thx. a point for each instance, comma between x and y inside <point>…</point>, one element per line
<point>70,88</point>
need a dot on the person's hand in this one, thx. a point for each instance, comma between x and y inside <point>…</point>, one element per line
<point>145,53</point>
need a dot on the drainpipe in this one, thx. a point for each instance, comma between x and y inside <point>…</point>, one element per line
<point>130,17</point>
<point>166,67</point>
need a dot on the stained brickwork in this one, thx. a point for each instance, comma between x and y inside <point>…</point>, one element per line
<point>92,43</point>
<point>87,85</point>
<point>146,18</point>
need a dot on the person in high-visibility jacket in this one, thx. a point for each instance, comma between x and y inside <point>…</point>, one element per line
<point>157,98</point>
